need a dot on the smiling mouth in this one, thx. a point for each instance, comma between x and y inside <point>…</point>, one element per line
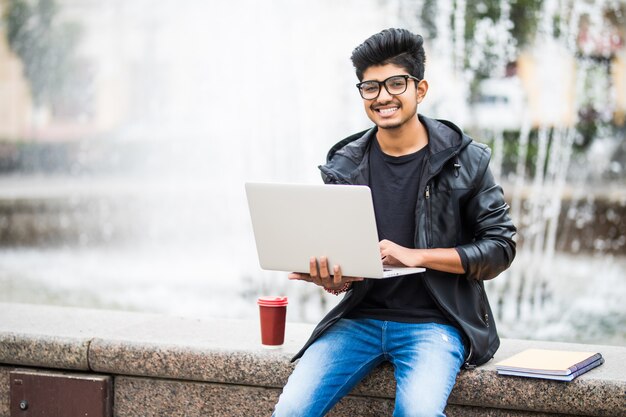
<point>386,111</point>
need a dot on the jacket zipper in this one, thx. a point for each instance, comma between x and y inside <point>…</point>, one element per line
<point>468,357</point>
<point>485,317</point>
<point>467,364</point>
<point>429,222</point>
<point>483,304</point>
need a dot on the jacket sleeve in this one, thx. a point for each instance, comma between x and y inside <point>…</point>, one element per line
<point>492,249</point>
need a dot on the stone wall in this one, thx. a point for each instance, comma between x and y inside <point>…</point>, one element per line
<point>168,366</point>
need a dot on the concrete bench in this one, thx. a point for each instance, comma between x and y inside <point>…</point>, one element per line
<point>167,366</point>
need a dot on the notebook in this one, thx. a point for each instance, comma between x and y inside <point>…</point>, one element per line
<point>549,364</point>
<point>294,222</point>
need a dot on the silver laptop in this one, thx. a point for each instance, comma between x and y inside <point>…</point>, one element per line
<point>294,222</point>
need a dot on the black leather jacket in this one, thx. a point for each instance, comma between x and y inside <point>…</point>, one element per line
<point>459,206</point>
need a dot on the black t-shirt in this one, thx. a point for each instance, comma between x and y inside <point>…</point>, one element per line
<point>394,182</point>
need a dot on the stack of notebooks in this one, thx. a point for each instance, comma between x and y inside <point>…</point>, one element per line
<point>549,364</point>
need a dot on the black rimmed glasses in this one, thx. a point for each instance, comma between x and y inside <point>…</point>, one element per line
<point>394,85</point>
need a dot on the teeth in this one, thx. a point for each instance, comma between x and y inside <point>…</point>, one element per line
<point>388,111</point>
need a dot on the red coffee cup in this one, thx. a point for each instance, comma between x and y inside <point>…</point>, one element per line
<point>273,311</point>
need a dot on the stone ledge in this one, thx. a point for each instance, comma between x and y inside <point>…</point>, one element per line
<point>229,352</point>
<point>56,337</point>
<point>154,397</point>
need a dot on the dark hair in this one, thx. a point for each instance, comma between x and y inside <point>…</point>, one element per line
<point>391,46</point>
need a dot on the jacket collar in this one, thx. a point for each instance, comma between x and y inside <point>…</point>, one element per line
<point>445,140</point>
<point>346,160</point>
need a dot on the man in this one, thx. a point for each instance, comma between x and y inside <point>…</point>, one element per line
<point>437,206</point>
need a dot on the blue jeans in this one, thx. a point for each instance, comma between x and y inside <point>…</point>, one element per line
<point>426,357</point>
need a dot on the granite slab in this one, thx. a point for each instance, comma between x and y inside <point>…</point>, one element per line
<point>226,351</point>
<point>147,397</point>
<point>143,397</point>
<point>229,352</point>
<point>55,337</point>
<point>179,349</point>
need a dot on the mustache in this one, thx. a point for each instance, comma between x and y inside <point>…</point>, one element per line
<point>378,105</point>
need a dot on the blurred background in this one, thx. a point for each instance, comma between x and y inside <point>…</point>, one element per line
<point>128,128</point>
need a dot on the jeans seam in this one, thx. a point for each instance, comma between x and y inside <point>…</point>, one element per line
<point>383,341</point>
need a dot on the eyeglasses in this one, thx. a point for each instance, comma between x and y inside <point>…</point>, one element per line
<point>395,85</point>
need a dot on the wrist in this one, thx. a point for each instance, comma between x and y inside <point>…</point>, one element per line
<point>340,290</point>
<point>419,258</point>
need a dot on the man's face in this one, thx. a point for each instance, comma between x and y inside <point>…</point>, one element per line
<point>392,111</point>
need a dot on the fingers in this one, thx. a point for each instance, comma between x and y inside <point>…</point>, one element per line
<point>389,252</point>
<point>326,278</point>
<point>385,256</point>
<point>337,275</point>
<point>335,279</point>
<point>320,274</point>
<point>324,274</point>
<point>383,248</point>
<point>314,271</point>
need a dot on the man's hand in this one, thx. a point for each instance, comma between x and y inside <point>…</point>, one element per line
<point>439,259</point>
<point>395,255</point>
<point>319,274</point>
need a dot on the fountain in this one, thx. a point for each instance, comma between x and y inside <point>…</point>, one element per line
<point>148,211</point>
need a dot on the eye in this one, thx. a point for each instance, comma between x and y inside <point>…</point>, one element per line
<point>396,83</point>
<point>369,87</point>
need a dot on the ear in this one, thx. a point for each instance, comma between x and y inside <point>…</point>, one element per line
<point>421,90</point>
